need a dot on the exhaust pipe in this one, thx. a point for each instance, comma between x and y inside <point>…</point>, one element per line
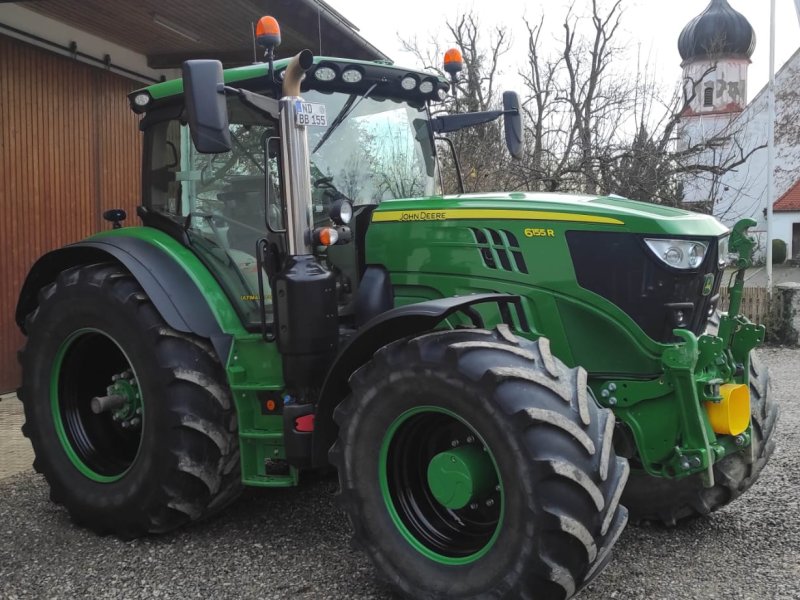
<point>295,71</point>
<point>296,169</point>
<point>304,291</point>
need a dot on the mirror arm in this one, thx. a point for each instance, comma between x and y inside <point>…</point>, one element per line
<point>263,104</point>
<point>449,123</point>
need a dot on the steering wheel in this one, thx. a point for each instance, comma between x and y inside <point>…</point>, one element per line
<point>324,183</point>
<point>217,173</point>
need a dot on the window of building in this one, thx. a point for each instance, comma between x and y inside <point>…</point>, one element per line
<point>708,96</point>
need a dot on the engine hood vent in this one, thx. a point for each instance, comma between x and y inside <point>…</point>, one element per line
<point>499,249</point>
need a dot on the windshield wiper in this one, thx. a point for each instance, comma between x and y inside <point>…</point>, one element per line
<point>348,108</point>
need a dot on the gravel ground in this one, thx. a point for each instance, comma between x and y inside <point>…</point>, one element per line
<point>294,543</point>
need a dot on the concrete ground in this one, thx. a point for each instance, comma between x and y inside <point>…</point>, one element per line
<point>294,543</point>
<point>16,453</point>
<point>757,277</point>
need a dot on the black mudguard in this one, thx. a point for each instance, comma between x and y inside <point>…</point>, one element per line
<point>392,325</point>
<point>169,287</point>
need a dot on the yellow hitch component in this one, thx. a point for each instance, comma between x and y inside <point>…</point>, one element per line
<point>731,415</point>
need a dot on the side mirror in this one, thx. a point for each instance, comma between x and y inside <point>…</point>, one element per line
<point>205,106</point>
<point>512,124</point>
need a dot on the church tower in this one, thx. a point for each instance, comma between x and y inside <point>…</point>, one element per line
<point>716,47</point>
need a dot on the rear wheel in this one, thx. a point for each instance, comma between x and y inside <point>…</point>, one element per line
<point>669,501</point>
<point>131,422</point>
<point>474,463</point>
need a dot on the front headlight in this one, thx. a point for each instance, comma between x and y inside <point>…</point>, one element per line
<point>679,254</point>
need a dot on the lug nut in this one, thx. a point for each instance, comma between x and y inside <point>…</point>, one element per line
<point>473,505</point>
<point>605,393</point>
<point>135,421</point>
<point>739,440</point>
<point>125,424</point>
<point>490,502</point>
<point>696,462</point>
<point>685,464</point>
<point>612,401</point>
<point>612,387</point>
<point>454,443</point>
<point>470,439</point>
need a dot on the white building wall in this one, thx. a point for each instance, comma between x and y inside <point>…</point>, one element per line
<point>726,76</point>
<point>782,230</point>
<point>742,191</point>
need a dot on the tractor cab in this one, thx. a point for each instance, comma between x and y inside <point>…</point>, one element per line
<point>369,137</point>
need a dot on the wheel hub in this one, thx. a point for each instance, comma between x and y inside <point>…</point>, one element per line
<point>441,485</point>
<point>461,476</point>
<point>126,386</point>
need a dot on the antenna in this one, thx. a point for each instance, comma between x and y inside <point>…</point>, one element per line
<point>255,50</point>
<point>319,27</point>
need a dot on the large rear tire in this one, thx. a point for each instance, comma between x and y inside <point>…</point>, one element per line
<point>165,456</point>
<point>670,501</point>
<point>473,463</point>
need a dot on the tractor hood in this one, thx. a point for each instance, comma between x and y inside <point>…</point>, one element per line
<point>606,212</point>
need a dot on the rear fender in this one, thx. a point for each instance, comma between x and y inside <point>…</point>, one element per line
<point>168,285</point>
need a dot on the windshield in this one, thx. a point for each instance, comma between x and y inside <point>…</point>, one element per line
<point>381,151</point>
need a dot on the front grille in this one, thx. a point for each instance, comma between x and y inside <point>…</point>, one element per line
<point>619,267</point>
<point>499,249</point>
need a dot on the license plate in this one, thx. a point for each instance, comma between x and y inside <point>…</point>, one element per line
<point>310,113</point>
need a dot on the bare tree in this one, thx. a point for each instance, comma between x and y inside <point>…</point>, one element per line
<point>479,148</point>
<point>592,126</point>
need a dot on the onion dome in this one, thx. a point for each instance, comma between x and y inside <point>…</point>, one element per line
<point>717,31</point>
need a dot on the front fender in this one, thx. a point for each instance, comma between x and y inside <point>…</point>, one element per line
<point>392,325</point>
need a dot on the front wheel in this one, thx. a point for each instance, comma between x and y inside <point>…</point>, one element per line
<point>474,463</point>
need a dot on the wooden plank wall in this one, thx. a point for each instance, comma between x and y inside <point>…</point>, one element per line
<point>755,303</point>
<point>69,149</point>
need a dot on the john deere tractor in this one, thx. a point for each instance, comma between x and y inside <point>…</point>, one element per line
<point>494,376</point>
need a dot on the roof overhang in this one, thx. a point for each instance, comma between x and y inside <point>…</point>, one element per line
<point>168,33</point>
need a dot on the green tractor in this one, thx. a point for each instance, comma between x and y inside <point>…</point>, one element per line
<point>498,378</point>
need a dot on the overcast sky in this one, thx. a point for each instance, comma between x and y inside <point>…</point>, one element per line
<point>653,25</point>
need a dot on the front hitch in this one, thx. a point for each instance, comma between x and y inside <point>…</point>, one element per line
<point>701,367</point>
<point>732,324</point>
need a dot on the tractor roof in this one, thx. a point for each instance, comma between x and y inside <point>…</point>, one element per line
<point>324,75</point>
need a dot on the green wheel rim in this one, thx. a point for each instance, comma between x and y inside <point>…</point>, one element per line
<point>102,447</point>
<point>444,534</point>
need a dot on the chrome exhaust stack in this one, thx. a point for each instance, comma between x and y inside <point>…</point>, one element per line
<point>295,171</point>
<point>304,291</point>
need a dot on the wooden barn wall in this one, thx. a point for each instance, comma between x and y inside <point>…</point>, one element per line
<point>69,149</point>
